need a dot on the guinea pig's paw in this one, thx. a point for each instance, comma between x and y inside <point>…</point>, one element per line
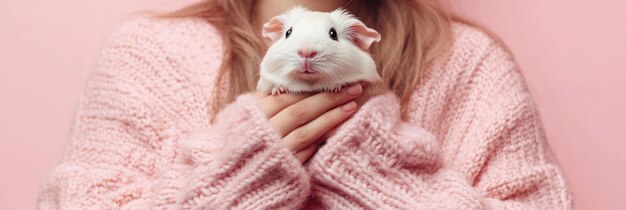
<point>335,89</point>
<point>277,90</point>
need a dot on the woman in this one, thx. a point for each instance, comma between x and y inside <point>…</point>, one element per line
<point>167,123</point>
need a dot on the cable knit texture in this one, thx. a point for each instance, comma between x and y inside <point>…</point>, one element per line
<point>143,138</point>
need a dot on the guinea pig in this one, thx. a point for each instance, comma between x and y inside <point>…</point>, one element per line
<point>316,51</point>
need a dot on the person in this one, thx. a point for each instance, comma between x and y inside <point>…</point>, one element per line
<point>170,120</point>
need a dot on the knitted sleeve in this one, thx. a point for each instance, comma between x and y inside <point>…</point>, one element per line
<point>500,158</point>
<point>239,163</point>
<point>125,155</point>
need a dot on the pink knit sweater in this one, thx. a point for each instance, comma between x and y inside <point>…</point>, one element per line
<point>142,138</point>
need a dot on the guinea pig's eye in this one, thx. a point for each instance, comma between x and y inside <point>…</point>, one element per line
<point>288,33</point>
<point>333,34</point>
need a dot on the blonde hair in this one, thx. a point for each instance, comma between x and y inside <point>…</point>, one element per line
<point>415,32</point>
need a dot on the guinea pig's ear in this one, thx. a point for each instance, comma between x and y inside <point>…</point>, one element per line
<point>361,35</point>
<point>273,29</point>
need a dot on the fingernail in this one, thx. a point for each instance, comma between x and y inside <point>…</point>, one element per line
<point>355,90</point>
<point>349,106</point>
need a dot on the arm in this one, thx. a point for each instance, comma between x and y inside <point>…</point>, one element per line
<point>238,163</point>
<point>125,154</point>
<point>493,155</point>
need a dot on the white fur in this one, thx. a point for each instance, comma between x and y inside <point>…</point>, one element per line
<point>338,62</point>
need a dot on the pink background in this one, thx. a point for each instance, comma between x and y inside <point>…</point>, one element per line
<point>571,51</point>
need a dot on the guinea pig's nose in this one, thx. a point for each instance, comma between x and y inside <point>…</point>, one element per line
<point>307,53</point>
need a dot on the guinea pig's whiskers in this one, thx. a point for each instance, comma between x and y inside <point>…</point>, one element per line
<point>280,66</point>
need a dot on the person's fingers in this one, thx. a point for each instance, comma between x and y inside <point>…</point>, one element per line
<point>261,94</point>
<point>305,154</point>
<point>307,134</point>
<point>272,104</point>
<point>310,108</point>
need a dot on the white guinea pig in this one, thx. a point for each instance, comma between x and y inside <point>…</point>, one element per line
<point>316,51</point>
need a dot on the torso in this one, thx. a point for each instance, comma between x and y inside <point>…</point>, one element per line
<point>194,50</point>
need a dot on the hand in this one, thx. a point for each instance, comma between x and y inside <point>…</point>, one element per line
<point>301,119</point>
<point>371,90</point>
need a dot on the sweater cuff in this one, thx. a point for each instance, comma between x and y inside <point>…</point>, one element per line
<point>372,159</point>
<point>239,162</point>
<point>378,131</point>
